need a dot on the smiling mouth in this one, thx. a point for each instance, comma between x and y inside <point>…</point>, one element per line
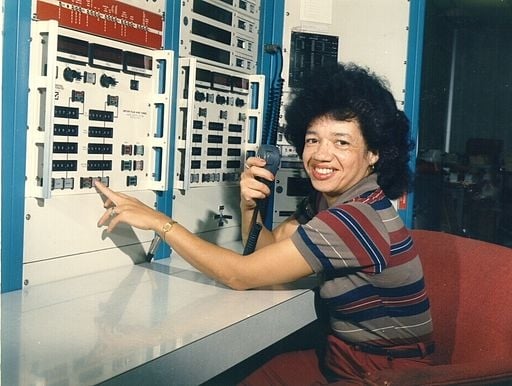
<point>324,171</point>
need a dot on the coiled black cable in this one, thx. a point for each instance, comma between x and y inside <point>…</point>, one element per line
<point>275,93</point>
<point>269,135</point>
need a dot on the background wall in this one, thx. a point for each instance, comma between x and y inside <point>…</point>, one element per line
<point>363,36</point>
<point>482,86</point>
<point>466,94</point>
<point>482,82</point>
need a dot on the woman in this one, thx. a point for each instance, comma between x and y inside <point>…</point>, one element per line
<point>355,148</point>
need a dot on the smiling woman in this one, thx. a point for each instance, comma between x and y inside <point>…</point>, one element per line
<point>354,144</point>
<point>336,156</point>
<point>355,147</point>
<point>351,93</point>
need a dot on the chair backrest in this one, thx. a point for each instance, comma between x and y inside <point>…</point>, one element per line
<point>469,283</point>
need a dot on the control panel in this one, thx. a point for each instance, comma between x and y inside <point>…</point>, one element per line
<point>218,122</point>
<point>308,50</point>
<point>98,109</point>
<point>222,33</point>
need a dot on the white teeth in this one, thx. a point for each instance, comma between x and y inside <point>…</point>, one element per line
<point>323,170</point>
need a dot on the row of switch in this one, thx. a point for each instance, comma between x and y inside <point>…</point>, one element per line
<point>219,99</point>
<point>106,81</point>
<point>86,182</point>
<point>223,114</point>
<point>214,177</point>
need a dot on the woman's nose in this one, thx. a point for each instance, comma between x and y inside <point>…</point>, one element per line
<point>323,150</point>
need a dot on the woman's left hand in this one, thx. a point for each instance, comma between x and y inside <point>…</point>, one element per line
<point>122,208</point>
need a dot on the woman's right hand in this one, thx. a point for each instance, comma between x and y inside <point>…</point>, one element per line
<point>251,189</point>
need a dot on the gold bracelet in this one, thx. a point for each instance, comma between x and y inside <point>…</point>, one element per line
<point>167,227</point>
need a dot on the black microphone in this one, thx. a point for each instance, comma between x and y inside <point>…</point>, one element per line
<point>272,157</point>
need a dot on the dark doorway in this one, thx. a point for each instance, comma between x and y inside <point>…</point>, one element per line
<point>464,167</point>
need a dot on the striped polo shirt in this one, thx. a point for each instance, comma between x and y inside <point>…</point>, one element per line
<point>372,275</point>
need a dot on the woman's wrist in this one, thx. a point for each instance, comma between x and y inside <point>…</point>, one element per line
<point>247,206</point>
<point>166,228</point>
<point>163,225</point>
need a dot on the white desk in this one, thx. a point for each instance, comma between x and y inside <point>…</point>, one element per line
<point>158,323</point>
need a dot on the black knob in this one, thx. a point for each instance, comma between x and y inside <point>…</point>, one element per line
<point>220,99</point>
<point>107,81</point>
<point>199,96</point>
<point>70,75</point>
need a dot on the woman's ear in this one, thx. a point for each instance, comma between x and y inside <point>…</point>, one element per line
<point>373,157</point>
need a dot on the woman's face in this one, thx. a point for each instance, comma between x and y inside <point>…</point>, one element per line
<point>335,156</point>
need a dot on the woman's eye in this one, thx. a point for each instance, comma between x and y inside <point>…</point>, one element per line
<point>311,140</point>
<point>341,142</point>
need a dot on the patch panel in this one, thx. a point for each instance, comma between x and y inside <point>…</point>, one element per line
<point>138,165</point>
<point>77,96</point>
<point>126,149</point>
<point>99,148</point>
<point>65,130</point>
<point>215,139</point>
<point>101,115</point>
<point>112,100</point>
<point>213,164</point>
<point>233,164</point>
<point>82,109</point>
<point>82,105</point>
<point>235,128</point>
<point>221,109</point>
<point>65,147</point>
<point>100,132</point>
<point>216,126</point>
<point>88,182</point>
<point>90,77</point>
<point>126,165</point>
<point>99,165</point>
<point>230,177</point>
<point>131,181</point>
<point>64,165</point>
<point>214,151</point>
<point>66,112</point>
<point>138,149</point>
<point>63,183</point>
<point>210,177</point>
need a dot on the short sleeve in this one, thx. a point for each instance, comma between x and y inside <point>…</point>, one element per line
<point>349,236</point>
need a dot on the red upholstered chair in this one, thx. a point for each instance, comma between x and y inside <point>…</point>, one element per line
<point>470,288</point>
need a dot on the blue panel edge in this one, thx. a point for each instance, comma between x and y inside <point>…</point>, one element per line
<point>171,42</point>
<point>271,32</point>
<point>14,128</point>
<point>412,87</point>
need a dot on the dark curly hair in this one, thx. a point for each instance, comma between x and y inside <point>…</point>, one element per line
<point>346,92</point>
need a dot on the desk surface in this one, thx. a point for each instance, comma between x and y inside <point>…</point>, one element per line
<point>160,321</point>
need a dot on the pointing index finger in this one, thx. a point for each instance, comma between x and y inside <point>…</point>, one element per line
<point>107,192</point>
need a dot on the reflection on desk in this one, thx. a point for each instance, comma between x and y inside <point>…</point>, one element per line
<point>162,322</point>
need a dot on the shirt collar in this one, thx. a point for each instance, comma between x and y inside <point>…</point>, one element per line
<point>367,184</point>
